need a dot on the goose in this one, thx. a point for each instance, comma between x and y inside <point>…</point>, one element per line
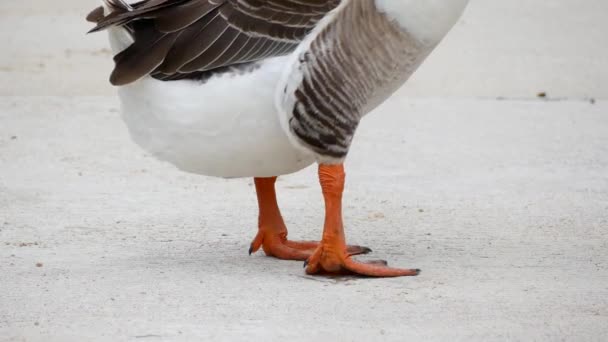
<point>264,88</point>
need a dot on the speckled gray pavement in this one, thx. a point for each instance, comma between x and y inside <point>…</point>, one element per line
<point>499,197</point>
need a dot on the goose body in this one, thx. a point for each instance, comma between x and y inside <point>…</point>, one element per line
<point>239,122</point>
<point>262,88</point>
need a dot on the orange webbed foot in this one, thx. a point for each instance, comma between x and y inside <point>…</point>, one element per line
<point>331,261</point>
<point>277,245</point>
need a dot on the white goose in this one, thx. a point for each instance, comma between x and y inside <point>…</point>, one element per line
<point>262,88</point>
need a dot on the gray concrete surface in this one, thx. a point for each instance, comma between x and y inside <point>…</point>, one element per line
<point>513,49</point>
<point>502,203</point>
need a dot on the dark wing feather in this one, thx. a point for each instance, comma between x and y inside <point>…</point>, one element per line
<point>174,38</point>
<point>147,42</point>
<point>96,15</point>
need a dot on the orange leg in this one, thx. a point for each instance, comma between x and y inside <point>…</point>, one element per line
<point>332,256</point>
<point>272,232</point>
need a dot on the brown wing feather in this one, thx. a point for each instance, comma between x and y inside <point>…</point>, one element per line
<point>175,37</point>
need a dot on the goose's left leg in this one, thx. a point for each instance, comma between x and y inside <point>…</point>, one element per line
<point>272,232</point>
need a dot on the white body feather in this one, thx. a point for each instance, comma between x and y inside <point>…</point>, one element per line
<point>226,127</point>
<point>427,20</point>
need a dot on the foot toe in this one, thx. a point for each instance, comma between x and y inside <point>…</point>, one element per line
<point>358,250</point>
<point>277,245</point>
<point>377,262</point>
<point>376,269</point>
<point>256,244</point>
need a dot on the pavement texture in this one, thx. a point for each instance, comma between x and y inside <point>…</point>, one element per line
<point>500,197</point>
<point>503,205</point>
<point>512,49</point>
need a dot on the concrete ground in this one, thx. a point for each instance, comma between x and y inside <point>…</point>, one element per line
<point>512,49</point>
<point>504,205</point>
<point>502,202</point>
